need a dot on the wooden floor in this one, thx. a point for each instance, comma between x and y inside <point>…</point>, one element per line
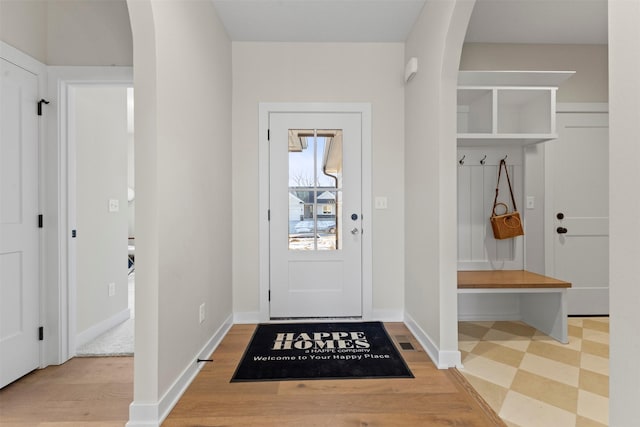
<point>82,392</point>
<point>433,398</point>
<point>90,391</point>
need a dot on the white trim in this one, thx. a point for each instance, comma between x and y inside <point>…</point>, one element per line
<point>582,107</point>
<point>32,65</point>
<point>387,315</point>
<point>61,158</point>
<point>441,358</point>
<point>153,414</point>
<point>246,317</point>
<point>22,60</point>
<point>489,317</point>
<point>263,173</point>
<point>98,329</point>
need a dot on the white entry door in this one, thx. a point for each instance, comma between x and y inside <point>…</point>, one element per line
<point>578,183</point>
<point>315,209</point>
<point>19,265</point>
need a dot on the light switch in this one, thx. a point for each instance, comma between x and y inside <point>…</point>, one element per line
<point>531,202</point>
<point>114,205</point>
<point>381,202</point>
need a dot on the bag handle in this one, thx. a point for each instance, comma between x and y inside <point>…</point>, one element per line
<point>503,164</point>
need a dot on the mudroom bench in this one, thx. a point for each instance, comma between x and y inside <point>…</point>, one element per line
<point>542,299</point>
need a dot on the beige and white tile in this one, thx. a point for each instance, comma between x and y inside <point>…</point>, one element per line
<point>489,370</point>
<point>506,339</point>
<point>532,380</point>
<point>593,406</point>
<point>594,383</point>
<point>499,353</point>
<point>528,412</point>
<point>546,390</point>
<point>551,351</point>
<point>596,336</point>
<point>551,369</point>
<point>594,363</point>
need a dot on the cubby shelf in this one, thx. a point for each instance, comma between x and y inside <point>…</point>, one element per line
<point>507,107</point>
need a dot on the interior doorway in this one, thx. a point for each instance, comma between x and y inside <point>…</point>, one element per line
<point>101,212</point>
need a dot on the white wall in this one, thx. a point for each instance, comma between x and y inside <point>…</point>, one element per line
<point>589,84</point>
<point>320,72</point>
<point>430,177</point>
<point>23,25</point>
<point>69,32</point>
<point>81,32</point>
<point>101,139</point>
<point>624,227</point>
<point>183,198</point>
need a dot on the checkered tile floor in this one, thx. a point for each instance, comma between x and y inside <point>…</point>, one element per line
<point>531,380</point>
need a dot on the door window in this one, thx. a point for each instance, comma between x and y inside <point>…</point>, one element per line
<point>315,189</point>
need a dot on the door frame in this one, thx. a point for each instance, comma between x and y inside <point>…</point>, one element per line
<point>63,309</point>
<point>364,109</point>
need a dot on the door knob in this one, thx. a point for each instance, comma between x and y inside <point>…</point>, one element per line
<point>561,230</point>
<point>355,231</point>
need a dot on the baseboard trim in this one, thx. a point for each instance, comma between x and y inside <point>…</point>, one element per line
<point>246,317</point>
<point>479,317</point>
<point>250,317</point>
<point>153,414</point>
<point>387,315</point>
<point>442,359</point>
<point>100,328</point>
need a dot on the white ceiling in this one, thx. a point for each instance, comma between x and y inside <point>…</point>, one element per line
<point>319,20</point>
<point>539,21</point>
<point>495,21</point>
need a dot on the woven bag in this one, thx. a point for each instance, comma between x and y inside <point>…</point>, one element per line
<point>505,225</point>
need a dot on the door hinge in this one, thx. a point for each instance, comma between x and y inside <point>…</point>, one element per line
<point>269,295</point>
<point>42,101</point>
<point>40,221</point>
<point>268,214</point>
<point>268,134</point>
<point>41,333</point>
<point>74,234</point>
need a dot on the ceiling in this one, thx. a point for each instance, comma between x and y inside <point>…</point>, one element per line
<point>493,21</point>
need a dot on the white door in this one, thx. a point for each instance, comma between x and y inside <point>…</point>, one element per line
<point>315,208</point>
<point>19,312</point>
<point>578,183</point>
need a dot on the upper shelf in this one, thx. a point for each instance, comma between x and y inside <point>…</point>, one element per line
<point>513,78</point>
<point>507,107</point>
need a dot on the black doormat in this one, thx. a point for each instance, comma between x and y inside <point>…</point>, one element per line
<point>305,351</point>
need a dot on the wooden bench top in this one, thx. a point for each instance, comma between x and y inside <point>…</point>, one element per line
<point>507,279</point>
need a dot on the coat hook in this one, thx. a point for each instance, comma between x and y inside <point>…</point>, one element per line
<point>461,161</point>
<point>484,160</point>
<point>505,157</point>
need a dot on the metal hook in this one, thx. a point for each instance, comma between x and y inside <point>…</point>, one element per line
<point>505,157</point>
<point>484,160</point>
<point>461,161</point>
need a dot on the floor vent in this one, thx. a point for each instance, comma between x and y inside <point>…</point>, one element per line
<point>404,342</point>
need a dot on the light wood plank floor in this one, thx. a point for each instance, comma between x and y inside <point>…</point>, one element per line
<point>434,398</point>
<point>97,392</point>
<point>82,392</point>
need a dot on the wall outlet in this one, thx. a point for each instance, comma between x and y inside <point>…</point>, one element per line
<point>114,205</point>
<point>381,202</point>
<point>202,312</point>
<point>112,289</point>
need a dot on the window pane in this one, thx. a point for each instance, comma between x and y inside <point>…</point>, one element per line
<point>315,177</point>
